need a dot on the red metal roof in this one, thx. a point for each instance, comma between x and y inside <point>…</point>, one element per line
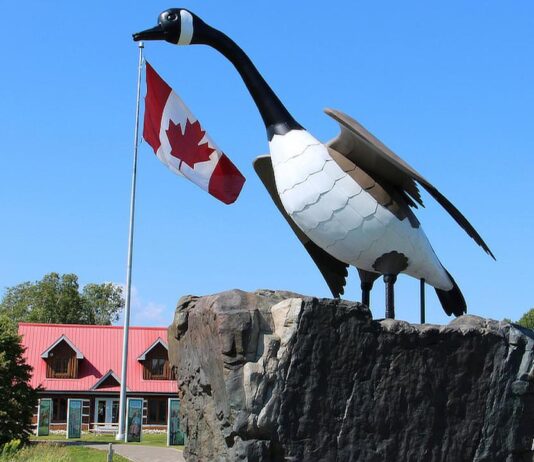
<point>102,350</point>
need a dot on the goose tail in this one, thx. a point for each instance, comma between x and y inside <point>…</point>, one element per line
<point>452,301</point>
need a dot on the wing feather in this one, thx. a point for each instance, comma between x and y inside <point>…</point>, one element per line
<point>370,154</point>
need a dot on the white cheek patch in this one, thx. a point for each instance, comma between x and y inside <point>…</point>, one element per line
<point>186,32</point>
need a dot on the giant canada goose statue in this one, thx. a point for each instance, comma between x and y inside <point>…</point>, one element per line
<point>349,201</point>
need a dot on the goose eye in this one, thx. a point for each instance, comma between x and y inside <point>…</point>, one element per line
<point>171,17</point>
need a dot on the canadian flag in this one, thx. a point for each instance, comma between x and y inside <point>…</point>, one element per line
<point>181,143</point>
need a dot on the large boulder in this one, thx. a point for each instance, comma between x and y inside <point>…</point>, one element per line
<point>274,376</point>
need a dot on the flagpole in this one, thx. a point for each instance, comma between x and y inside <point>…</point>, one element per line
<point>122,406</point>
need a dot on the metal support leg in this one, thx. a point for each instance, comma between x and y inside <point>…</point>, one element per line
<point>366,293</point>
<point>422,291</point>
<point>389,280</point>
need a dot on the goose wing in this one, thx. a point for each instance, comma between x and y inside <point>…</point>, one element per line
<point>333,270</point>
<point>369,153</point>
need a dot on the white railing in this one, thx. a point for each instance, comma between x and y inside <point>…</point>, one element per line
<point>104,427</point>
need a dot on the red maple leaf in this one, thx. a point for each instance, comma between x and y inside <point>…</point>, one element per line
<point>186,146</point>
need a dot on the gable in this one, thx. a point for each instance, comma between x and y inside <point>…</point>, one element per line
<point>62,344</point>
<point>107,381</point>
<point>155,348</point>
<point>159,351</point>
<point>110,382</point>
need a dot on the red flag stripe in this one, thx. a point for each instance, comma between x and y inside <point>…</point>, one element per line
<point>156,97</point>
<point>226,181</point>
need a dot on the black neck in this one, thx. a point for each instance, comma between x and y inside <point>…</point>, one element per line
<point>276,117</point>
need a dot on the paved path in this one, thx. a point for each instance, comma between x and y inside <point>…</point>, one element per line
<point>139,453</point>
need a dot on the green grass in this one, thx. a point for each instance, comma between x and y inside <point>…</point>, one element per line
<point>147,439</point>
<point>53,453</point>
<point>82,454</point>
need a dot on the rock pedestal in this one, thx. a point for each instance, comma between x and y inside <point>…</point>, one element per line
<point>275,376</point>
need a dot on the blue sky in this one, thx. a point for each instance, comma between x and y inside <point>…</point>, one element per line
<point>447,86</point>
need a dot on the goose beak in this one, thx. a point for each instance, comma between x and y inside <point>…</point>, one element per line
<point>156,33</point>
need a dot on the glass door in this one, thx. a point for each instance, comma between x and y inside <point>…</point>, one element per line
<point>101,411</point>
<point>115,411</point>
<point>107,411</point>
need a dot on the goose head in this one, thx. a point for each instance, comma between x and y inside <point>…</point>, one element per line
<point>175,25</point>
<point>181,27</point>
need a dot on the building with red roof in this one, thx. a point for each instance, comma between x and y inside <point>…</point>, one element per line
<point>84,361</point>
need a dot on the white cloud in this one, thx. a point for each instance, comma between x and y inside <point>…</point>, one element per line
<point>145,312</point>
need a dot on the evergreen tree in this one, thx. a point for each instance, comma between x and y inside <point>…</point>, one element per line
<point>17,398</point>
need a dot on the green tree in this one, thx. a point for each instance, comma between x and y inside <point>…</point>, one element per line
<point>102,303</point>
<point>527,320</point>
<point>57,299</point>
<point>17,398</point>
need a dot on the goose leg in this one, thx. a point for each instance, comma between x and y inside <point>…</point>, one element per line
<point>389,280</point>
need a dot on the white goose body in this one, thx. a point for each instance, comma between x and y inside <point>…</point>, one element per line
<point>338,215</point>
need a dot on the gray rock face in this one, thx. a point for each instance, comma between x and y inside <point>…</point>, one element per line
<point>275,376</point>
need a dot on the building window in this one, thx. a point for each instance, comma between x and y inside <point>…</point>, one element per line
<point>59,410</point>
<point>157,411</point>
<point>60,365</point>
<point>157,366</point>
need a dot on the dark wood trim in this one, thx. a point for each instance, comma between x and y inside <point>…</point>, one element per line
<point>62,362</point>
<point>156,366</point>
